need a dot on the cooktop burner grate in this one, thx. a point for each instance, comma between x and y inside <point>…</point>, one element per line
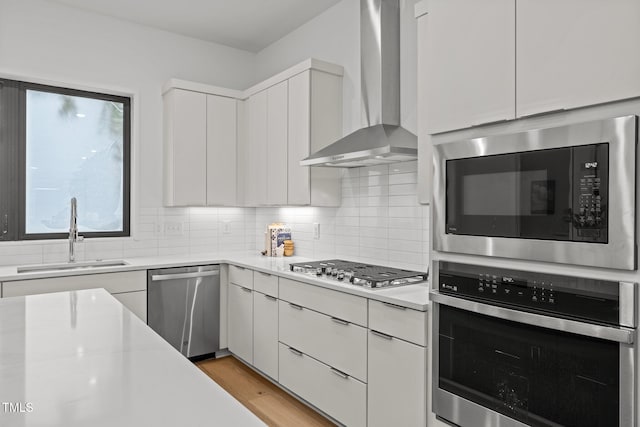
<point>361,274</point>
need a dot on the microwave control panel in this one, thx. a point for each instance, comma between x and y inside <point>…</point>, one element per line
<point>564,296</point>
<point>590,193</point>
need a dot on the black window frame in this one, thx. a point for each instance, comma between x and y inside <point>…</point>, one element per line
<point>13,110</point>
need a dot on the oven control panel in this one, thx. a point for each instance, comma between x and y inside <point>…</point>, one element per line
<point>566,296</point>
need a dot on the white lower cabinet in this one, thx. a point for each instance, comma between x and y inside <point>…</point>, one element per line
<point>332,340</point>
<point>332,391</point>
<point>397,384</point>
<point>241,322</point>
<point>360,361</point>
<point>265,334</point>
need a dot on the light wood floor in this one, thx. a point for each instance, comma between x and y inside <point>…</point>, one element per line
<point>271,404</point>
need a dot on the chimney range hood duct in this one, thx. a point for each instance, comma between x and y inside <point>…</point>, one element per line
<point>382,140</point>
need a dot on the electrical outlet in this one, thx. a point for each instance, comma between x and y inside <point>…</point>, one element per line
<point>316,230</point>
<point>173,229</point>
<point>226,227</point>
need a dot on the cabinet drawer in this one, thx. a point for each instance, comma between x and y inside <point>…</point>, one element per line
<point>241,276</point>
<point>401,322</point>
<point>265,283</point>
<point>129,281</point>
<point>333,341</point>
<point>340,396</point>
<point>332,303</point>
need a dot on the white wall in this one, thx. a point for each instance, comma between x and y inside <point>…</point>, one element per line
<point>48,42</point>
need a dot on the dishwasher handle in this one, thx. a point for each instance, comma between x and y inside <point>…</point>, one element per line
<point>161,277</point>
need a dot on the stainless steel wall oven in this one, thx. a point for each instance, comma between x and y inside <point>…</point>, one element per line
<point>563,194</point>
<point>514,348</point>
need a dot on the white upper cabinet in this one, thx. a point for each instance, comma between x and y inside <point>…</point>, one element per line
<point>503,59</point>
<point>315,121</point>
<point>221,150</point>
<point>469,63</point>
<point>200,138</point>
<point>573,53</point>
<point>255,168</point>
<point>242,148</point>
<point>185,148</point>
<point>277,123</point>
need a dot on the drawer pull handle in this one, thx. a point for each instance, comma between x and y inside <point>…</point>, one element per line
<point>339,373</point>
<point>340,321</point>
<point>397,307</point>
<point>269,297</point>
<point>381,335</point>
<point>239,268</point>
<point>294,351</point>
<point>264,274</point>
<point>297,307</point>
<point>245,289</point>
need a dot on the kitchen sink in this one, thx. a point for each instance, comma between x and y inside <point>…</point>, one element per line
<point>71,266</point>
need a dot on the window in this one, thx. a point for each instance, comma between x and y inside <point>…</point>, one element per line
<point>58,143</point>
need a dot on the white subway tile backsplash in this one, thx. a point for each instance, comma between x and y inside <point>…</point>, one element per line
<point>344,230</point>
<point>403,167</point>
<point>381,190</point>
<point>374,170</point>
<point>381,211</point>
<point>374,201</point>
<point>403,178</point>
<point>373,242</point>
<point>379,221</point>
<point>374,221</point>
<point>411,200</point>
<point>402,189</point>
<point>374,180</point>
<point>405,212</point>
<point>413,223</point>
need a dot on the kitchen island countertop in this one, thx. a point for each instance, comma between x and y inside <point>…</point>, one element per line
<point>80,358</point>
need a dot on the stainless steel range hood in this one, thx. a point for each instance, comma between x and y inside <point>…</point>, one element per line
<point>382,139</point>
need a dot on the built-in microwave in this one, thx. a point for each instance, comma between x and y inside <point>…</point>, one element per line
<point>564,194</point>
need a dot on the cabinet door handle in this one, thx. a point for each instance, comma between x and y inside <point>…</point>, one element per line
<point>294,351</point>
<point>381,335</point>
<point>340,321</point>
<point>398,307</point>
<point>264,274</point>
<point>245,289</point>
<point>296,306</point>
<point>240,268</point>
<point>339,373</point>
<point>269,297</point>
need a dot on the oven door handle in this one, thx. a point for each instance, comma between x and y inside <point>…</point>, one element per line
<point>609,333</point>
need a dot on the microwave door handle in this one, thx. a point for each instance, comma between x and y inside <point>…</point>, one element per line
<point>621,335</point>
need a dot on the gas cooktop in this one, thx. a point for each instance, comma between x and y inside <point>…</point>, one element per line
<point>360,274</point>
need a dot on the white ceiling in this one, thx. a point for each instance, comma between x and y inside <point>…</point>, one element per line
<point>244,24</point>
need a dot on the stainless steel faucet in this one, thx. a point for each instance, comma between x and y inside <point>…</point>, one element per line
<point>73,230</point>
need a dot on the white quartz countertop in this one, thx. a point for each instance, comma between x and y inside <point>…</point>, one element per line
<point>81,359</point>
<point>411,296</point>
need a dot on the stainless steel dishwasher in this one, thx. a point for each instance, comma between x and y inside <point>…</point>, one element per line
<point>183,307</point>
